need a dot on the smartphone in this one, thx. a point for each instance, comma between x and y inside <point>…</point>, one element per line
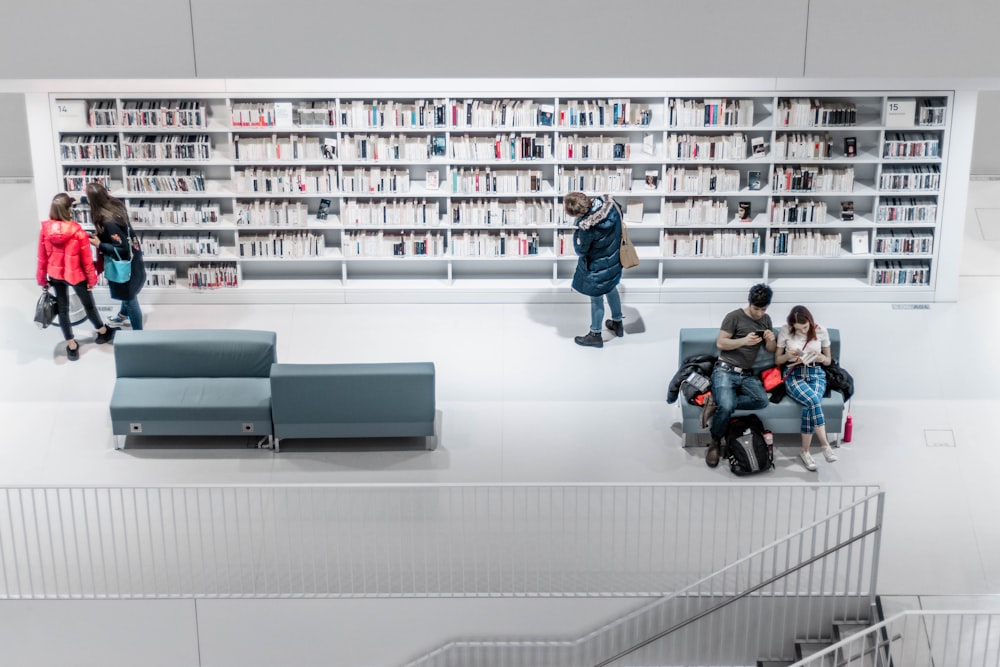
<point>760,333</point>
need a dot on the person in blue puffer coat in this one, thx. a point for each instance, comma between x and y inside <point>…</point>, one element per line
<point>596,240</point>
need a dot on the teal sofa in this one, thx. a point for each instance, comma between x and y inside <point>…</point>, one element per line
<point>375,400</point>
<point>783,417</point>
<point>210,382</point>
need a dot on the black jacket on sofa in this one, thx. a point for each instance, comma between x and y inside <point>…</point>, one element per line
<point>700,363</point>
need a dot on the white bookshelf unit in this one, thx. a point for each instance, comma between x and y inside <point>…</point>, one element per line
<point>454,196</point>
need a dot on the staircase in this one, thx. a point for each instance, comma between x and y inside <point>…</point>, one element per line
<point>861,656</point>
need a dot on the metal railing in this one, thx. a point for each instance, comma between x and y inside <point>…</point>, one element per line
<point>792,588</point>
<point>919,639</point>
<point>392,540</point>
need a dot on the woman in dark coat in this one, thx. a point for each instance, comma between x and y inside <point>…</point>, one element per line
<point>113,234</point>
<point>597,240</point>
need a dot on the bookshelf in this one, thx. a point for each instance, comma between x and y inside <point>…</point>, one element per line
<point>454,196</point>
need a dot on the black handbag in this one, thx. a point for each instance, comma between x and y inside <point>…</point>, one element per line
<point>45,309</point>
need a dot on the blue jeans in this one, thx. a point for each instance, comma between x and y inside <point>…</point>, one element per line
<point>733,392</point>
<point>131,308</point>
<point>597,309</point>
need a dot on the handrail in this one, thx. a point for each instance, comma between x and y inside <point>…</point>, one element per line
<point>889,632</point>
<point>695,585</point>
<point>735,598</point>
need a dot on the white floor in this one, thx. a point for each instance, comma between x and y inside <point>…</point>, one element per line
<point>520,402</point>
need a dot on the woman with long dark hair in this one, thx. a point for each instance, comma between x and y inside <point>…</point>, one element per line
<point>64,263</point>
<point>805,347</point>
<point>115,239</point>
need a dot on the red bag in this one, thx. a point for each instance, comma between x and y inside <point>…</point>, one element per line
<point>771,377</point>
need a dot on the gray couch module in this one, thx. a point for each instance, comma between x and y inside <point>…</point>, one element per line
<point>783,417</point>
<point>207,382</point>
<point>380,400</point>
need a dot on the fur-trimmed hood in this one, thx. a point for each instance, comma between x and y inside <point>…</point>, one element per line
<point>599,210</point>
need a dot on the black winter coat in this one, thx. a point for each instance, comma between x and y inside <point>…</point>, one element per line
<point>596,240</point>
<point>121,230</point>
<point>702,363</point>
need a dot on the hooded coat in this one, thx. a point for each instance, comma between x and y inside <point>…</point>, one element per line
<point>596,240</point>
<point>698,363</point>
<point>64,254</point>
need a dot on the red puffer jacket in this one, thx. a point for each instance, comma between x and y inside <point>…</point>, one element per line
<point>64,254</point>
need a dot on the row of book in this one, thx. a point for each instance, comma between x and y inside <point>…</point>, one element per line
<point>376,180</point>
<point>499,113</point>
<point>494,212</point>
<point>502,147</point>
<point>608,179</point>
<point>914,177</point>
<point>613,112</point>
<point>180,246</point>
<point>168,147</point>
<point>212,276</point>
<point>282,244</point>
<point>701,179</point>
<point>710,244</point>
<point>508,181</point>
<point>900,273</point>
<point>795,211</point>
<point>493,244</point>
<point>804,243</point>
<point>160,276</point>
<point>707,146</point>
<point>382,244</point>
<point>807,179</point>
<point>692,212</point>
<point>710,112</point>
<point>911,144</point>
<point>391,147</point>
<point>390,114</point>
<point>811,112</point>
<point>272,213</point>
<point>904,243</point>
<point>88,147</point>
<point>76,179</point>
<point>397,212</point>
<point>801,146</point>
<point>901,209</point>
<point>163,114</point>
<point>283,147</point>
<point>289,180</point>
<point>153,213</point>
<point>156,179</point>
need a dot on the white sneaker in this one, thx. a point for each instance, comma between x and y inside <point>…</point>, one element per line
<point>807,460</point>
<point>829,454</point>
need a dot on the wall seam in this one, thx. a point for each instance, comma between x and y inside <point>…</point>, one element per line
<point>194,44</point>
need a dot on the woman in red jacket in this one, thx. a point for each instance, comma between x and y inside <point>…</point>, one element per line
<point>64,261</point>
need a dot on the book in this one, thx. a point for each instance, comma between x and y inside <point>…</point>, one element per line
<point>850,146</point>
<point>652,179</point>
<point>283,114</point>
<point>438,146</point>
<point>546,114</point>
<point>323,210</point>
<point>633,210</point>
<point>753,180</point>
<point>743,213</point>
<point>649,143</point>
<point>847,211</point>
<point>330,148</point>
<point>757,147</point>
<point>859,243</point>
<point>432,180</point>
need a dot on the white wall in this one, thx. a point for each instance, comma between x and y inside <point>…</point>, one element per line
<point>15,158</point>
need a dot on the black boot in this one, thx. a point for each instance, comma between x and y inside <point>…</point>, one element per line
<point>590,340</point>
<point>108,336</point>
<point>617,328</point>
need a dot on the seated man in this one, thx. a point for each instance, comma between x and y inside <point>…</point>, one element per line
<point>734,386</point>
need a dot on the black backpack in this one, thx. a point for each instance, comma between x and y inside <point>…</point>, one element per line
<point>748,452</point>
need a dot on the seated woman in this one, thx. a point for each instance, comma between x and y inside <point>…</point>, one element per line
<point>805,347</point>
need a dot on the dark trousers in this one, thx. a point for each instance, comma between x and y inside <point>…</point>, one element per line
<point>61,288</point>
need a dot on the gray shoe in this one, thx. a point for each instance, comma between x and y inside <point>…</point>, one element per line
<point>590,340</point>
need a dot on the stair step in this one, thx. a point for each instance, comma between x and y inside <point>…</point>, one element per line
<point>843,630</point>
<point>774,663</point>
<point>806,649</point>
